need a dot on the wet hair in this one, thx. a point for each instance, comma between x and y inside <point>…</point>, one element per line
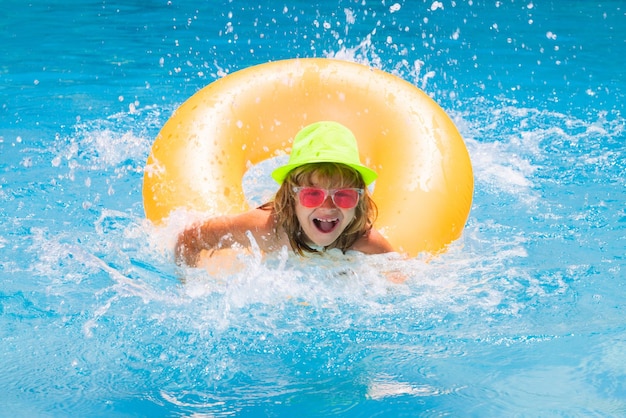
<point>284,205</point>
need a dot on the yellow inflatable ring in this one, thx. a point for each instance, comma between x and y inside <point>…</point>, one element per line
<point>425,184</point>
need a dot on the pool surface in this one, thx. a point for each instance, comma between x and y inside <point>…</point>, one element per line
<point>523,316</point>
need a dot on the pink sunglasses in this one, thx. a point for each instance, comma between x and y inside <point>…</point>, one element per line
<point>313,197</point>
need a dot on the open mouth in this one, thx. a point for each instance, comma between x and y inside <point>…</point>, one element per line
<point>326,225</point>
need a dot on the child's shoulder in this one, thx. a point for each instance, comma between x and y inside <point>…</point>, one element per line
<point>261,223</point>
<point>257,218</point>
<point>373,242</point>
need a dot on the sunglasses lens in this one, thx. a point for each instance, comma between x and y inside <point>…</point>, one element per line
<point>311,197</point>
<point>346,198</point>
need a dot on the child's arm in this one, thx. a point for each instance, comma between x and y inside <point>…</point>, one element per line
<point>210,234</point>
<point>222,232</point>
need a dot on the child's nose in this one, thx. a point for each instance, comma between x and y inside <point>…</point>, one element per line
<point>328,202</point>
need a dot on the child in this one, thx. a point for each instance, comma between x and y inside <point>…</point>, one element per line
<point>322,203</point>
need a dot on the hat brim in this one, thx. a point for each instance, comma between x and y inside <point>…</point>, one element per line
<point>368,175</point>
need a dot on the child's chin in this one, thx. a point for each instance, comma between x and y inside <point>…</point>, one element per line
<point>324,241</point>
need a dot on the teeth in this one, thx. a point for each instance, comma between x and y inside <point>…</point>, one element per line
<point>326,225</point>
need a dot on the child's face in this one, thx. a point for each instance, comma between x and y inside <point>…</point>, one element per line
<point>324,224</point>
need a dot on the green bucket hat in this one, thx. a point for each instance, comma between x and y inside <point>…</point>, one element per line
<point>324,142</point>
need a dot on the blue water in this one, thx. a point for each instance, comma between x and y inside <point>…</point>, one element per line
<point>523,316</point>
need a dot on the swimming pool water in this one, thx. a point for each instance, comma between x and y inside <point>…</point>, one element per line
<point>523,316</point>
